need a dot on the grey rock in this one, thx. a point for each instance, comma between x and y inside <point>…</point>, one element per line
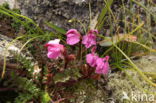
<point>7,48</point>
<point>60,12</point>
<point>121,83</point>
<point>10,48</point>
<point>12,3</point>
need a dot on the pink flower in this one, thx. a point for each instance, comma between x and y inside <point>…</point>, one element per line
<point>89,39</point>
<point>73,36</point>
<point>102,65</point>
<point>55,49</point>
<point>91,59</point>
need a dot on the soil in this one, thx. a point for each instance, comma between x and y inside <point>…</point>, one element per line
<point>6,28</point>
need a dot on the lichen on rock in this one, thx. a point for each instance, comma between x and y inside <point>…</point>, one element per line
<point>7,48</point>
<point>132,83</point>
<point>60,12</point>
<point>12,3</point>
<point>11,48</point>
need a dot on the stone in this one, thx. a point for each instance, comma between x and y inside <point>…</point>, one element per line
<point>6,48</point>
<point>59,12</point>
<point>10,48</point>
<point>12,3</point>
<point>126,85</point>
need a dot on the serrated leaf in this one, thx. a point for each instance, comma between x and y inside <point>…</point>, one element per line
<point>61,77</point>
<point>67,75</point>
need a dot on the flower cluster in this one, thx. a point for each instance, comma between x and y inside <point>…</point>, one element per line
<point>101,64</point>
<point>56,50</point>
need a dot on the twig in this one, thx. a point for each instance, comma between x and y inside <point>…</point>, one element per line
<point>9,65</point>
<point>7,89</point>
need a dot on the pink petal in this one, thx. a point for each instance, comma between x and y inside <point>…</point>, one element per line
<point>73,37</point>
<point>106,68</point>
<point>72,40</point>
<point>53,55</point>
<point>102,65</point>
<point>55,49</point>
<point>91,59</point>
<point>56,41</point>
<point>89,40</point>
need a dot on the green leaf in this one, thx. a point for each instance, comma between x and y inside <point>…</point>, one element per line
<point>58,29</point>
<point>61,77</point>
<point>106,42</point>
<point>103,14</point>
<point>67,75</point>
<point>45,98</point>
<point>109,41</point>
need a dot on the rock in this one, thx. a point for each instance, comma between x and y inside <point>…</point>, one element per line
<point>11,49</point>
<point>124,86</point>
<point>60,12</point>
<point>12,3</point>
